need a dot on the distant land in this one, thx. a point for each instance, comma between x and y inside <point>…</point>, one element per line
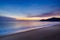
<point>3,18</point>
<point>51,19</point>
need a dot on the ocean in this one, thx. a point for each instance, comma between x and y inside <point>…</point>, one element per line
<point>7,28</point>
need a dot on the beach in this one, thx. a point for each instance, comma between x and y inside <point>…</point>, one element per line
<point>46,33</point>
<point>29,19</point>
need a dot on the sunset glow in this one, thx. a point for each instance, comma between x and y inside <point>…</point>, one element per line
<point>32,18</point>
<point>35,18</point>
<point>28,18</point>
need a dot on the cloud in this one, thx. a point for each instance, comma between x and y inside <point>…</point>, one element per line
<point>50,14</point>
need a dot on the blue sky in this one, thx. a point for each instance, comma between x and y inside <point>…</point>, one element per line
<point>23,8</point>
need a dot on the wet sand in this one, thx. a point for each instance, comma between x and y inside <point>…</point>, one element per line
<point>46,33</point>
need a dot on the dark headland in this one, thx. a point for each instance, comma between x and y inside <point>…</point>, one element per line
<point>51,19</point>
<point>47,33</point>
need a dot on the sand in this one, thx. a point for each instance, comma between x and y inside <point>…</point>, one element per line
<point>46,33</point>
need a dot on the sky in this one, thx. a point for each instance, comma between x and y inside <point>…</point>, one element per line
<point>25,8</point>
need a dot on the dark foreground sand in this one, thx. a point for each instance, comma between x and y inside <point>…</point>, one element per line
<point>47,33</point>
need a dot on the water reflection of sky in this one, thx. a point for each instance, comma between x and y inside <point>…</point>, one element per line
<point>14,27</point>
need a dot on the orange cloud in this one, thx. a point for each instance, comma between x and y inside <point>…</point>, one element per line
<point>50,14</point>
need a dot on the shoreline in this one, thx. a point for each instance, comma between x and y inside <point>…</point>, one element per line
<point>46,31</point>
<point>33,28</point>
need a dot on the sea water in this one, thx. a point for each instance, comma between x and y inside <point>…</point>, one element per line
<point>7,28</point>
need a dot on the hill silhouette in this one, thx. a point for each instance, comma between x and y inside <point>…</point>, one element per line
<point>3,18</point>
<point>51,19</point>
